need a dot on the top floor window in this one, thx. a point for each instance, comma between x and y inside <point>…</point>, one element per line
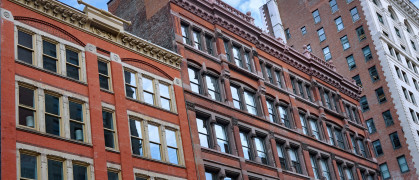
<point>333,5</point>
<point>239,55</point>
<point>197,38</point>
<point>316,16</point>
<point>354,14</point>
<point>185,34</point>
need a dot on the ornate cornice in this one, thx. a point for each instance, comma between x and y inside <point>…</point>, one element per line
<point>409,8</point>
<point>210,11</point>
<point>98,23</point>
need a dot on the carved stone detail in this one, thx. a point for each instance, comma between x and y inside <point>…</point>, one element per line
<point>190,105</point>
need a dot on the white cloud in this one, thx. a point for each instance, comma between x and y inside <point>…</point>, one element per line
<point>253,7</point>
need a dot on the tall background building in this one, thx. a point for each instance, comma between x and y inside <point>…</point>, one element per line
<point>375,43</point>
<point>257,109</point>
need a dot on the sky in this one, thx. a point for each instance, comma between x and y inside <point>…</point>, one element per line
<point>242,5</point>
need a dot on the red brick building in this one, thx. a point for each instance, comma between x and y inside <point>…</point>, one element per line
<point>80,100</point>
<point>256,108</point>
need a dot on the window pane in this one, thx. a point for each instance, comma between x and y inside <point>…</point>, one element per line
<point>109,139</point>
<point>103,67</point>
<point>72,72</point>
<point>104,82</point>
<point>213,88</point>
<point>52,104</point>
<point>107,119</point>
<point>25,39</point>
<point>76,111</point>
<point>203,133</point>
<point>49,64</point>
<point>148,85</point>
<point>154,133</point>
<point>24,55</point>
<point>250,102</point>
<point>55,170</point>
<point>222,140</point>
<point>131,92</point>
<point>155,151</point>
<point>194,80</point>
<point>172,153</point>
<point>130,78</point>
<point>26,96</point>
<point>236,97</point>
<point>76,130</point>
<point>28,166</point>
<point>52,124</point>
<point>112,176</point>
<point>26,117</point>
<point>135,128</point>
<point>72,57</point>
<point>171,138</point>
<point>165,96</point>
<point>79,172</point>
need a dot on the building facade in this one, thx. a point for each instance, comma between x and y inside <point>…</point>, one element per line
<point>81,101</point>
<point>257,108</point>
<point>374,42</point>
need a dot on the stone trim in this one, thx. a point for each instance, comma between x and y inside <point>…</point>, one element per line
<point>153,175</point>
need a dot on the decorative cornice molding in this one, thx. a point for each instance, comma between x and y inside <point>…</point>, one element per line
<point>85,22</point>
<point>409,8</point>
<point>309,64</point>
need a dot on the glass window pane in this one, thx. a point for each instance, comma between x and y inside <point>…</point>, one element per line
<point>155,151</point>
<point>24,55</point>
<point>154,133</point>
<point>72,57</point>
<point>49,49</point>
<point>107,119</point>
<point>102,67</point>
<point>76,111</point>
<point>79,172</point>
<point>130,78</point>
<point>104,82</point>
<point>148,98</point>
<point>113,175</point>
<point>172,153</point>
<point>131,92</point>
<point>25,39</point>
<point>26,96</point>
<point>49,64</point>
<point>55,170</point>
<point>26,117</point>
<point>135,128</point>
<point>148,85</point>
<point>28,166</point>
<point>137,146</point>
<point>109,139</point>
<point>165,104</point>
<point>72,72</point>
<point>52,125</point>
<point>164,90</point>
<point>76,130</point>
<point>52,104</point>
<point>171,138</point>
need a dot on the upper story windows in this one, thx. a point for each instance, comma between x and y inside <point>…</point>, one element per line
<point>380,18</point>
<point>367,53</point>
<point>329,99</point>
<point>58,56</point>
<point>321,34</point>
<point>303,30</point>
<point>245,99</point>
<point>197,81</point>
<point>388,119</point>
<point>351,62</point>
<point>280,112</point>
<point>370,126</point>
<point>352,112</point>
<point>197,38</point>
<point>381,97</point>
<point>354,14</point>
<point>272,74</point>
<point>214,135</point>
<point>149,88</point>
<point>104,75</point>
<point>339,23</point>
<point>361,33</point>
<point>316,16</point>
<point>327,54</point>
<point>345,42</point>
<point>254,148</point>
<point>301,88</point>
<point>239,55</point>
<point>333,6</point>
<point>373,74</point>
<point>397,32</point>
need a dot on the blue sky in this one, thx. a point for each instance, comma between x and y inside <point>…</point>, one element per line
<point>242,5</point>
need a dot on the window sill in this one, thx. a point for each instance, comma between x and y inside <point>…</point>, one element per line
<point>357,125</point>
<point>158,161</point>
<point>106,91</point>
<point>333,113</point>
<point>260,164</point>
<point>202,53</point>
<point>213,151</point>
<point>296,174</point>
<point>244,71</point>
<point>112,150</point>
<point>306,101</point>
<point>50,72</point>
<point>159,108</point>
<point>52,136</point>
<point>204,97</point>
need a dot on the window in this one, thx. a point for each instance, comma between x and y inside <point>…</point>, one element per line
<point>278,79</point>
<point>209,176</point>
<point>260,149</point>
<point>364,104</point>
<point>249,98</point>
<point>197,39</point>
<point>304,123</point>
<point>388,119</point>
<point>113,175</point>
<point>331,136</point>
<point>339,23</point>
<point>248,61</point>
<point>349,174</point>
<point>325,169</point>
<point>269,74</point>
<point>172,146</point>
<point>351,62</point>
<point>130,84</point>
<point>412,97</point>
<point>79,171</point>
<point>380,18</point>
<point>195,80</point>
<point>303,30</point>
<point>333,5</point>
<point>397,32</point>
<point>237,56</point>
<point>402,164</point>
<point>227,49</point>
<point>245,145</point>
<point>316,16</point>
<point>340,171</point>
<point>380,95</point>
<point>213,87</point>
<point>371,126</point>
<point>309,48</point>
<point>185,34</point>
<point>77,122</point>
<point>390,49</point>
<point>385,173</point>
<point>392,14</point>
<point>239,51</point>
<point>362,149</point>
<point>28,166</point>
<point>413,45</point>
<point>345,42</point>
<point>109,129</point>
<point>250,102</point>
<point>237,100</point>
<point>377,148</point>
<point>53,114</point>
<point>203,132</point>
<point>137,139</point>
<point>373,74</point>
<point>327,54</point>
<point>308,92</point>
<point>25,47</point>
<point>281,154</point>
<point>339,138</point>
<point>361,33</point>
<point>314,166</point>
<point>104,74</point>
<point>27,107</point>
<point>293,84</point>
<point>55,169</point>
<point>394,137</point>
<point>354,14</point>
<point>399,74</point>
<point>354,149</point>
<point>72,64</point>
<point>409,64</point>
<point>412,114</point>
<point>321,34</point>
<point>295,160</point>
<point>155,142</point>
<point>398,56</point>
<point>315,129</point>
<point>301,89</point>
<point>49,55</point>
<point>349,1</point>
<point>406,96</point>
<point>357,80</point>
<point>287,33</point>
<point>284,115</point>
<point>209,44</point>
<point>271,110</point>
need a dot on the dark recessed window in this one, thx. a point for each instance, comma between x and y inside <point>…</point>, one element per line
<point>394,137</point>
<point>367,53</point>
<point>287,33</point>
<point>364,104</point>
<point>397,32</point>
<point>109,128</point>
<point>104,75</point>
<point>49,56</point>
<point>25,47</point>
<point>380,18</point>
<point>351,62</point>
<point>377,148</point>
<point>371,126</point>
<point>357,80</point>
<point>373,74</point>
<point>316,16</point>
<point>361,33</point>
<point>388,119</point>
<point>380,95</point>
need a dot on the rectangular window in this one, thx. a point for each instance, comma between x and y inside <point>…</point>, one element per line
<point>397,32</point>
<point>315,129</point>
<point>172,146</point>
<point>72,64</point>
<point>380,95</point>
<point>27,107</point>
<point>260,149</point>
<point>380,18</point>
<point>245,146</point>
<point>406,96</point>
<point>109,129</point>
<point>248,61</point>
<point>321,34</point>
<point>55,169</point>
<point>340,171</point>
<point>185,34</point>
<point>405,77</point>
<point>412,97</point>
<point>413,45</point>
<point>373,74</point>
<point>52,114</point>
<point>165,99</point>
<point>130,84</point>
<point>285,118</point>
<point>354,14</point>
<point>303,30</point>
<point>195,80</point>
<point>213,87</point>
<point>269,73</point>
<point>339,138</point>
<point>361,33</point>
<point>313,161</point>
<point>28,166</point>
<point>237,56</point>
<point>371,126</point>
<point>287,33</point>
<point>113,174</point>
<point>416,84</point>
<point>331,136</point>
<point>349,174</point>
<point>364,104</point>
<point>148,90</point>
<point>227,50</point>
<point>209,44</point>
<point>412,114</point>
<point>304,123</point>
<point>309,48</point>
<point>388,119</point>
<point>293,84</point>
<point>402,164</point>
<point>333,6</point>
<point>237,100</point>
<point>301,89</point>
<point>76,120</point>
<point>339,23</point>
<point>399,74</point>
<point>316,16</point>
<point>398,56</point>
<point>250,102</point>
<point>351,62</point>
<point>25,49</point>
<point>271,111</point>
<point>104,75</point>
<point>308,91</point>
<point>362,148</point>
<point>278,79</point>
<point>137,139</point>
<point>295,160</point>
<point>394,137</point>
<point>155,144</point>
<point>222,138</point>
<point>327,100</point>
<point>357,80</point>
<point>385,173</point>
<point>80,171</point>
<point>197,39</point>
<point>49,56</point>
<point>345,42</point>
<point>327,54</point>
<point>378,150</point>
<point>282,159</point>
<point>325,168</point>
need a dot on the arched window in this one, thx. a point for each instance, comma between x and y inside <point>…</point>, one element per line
<point>392,13</point>
<point>408,27</point>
